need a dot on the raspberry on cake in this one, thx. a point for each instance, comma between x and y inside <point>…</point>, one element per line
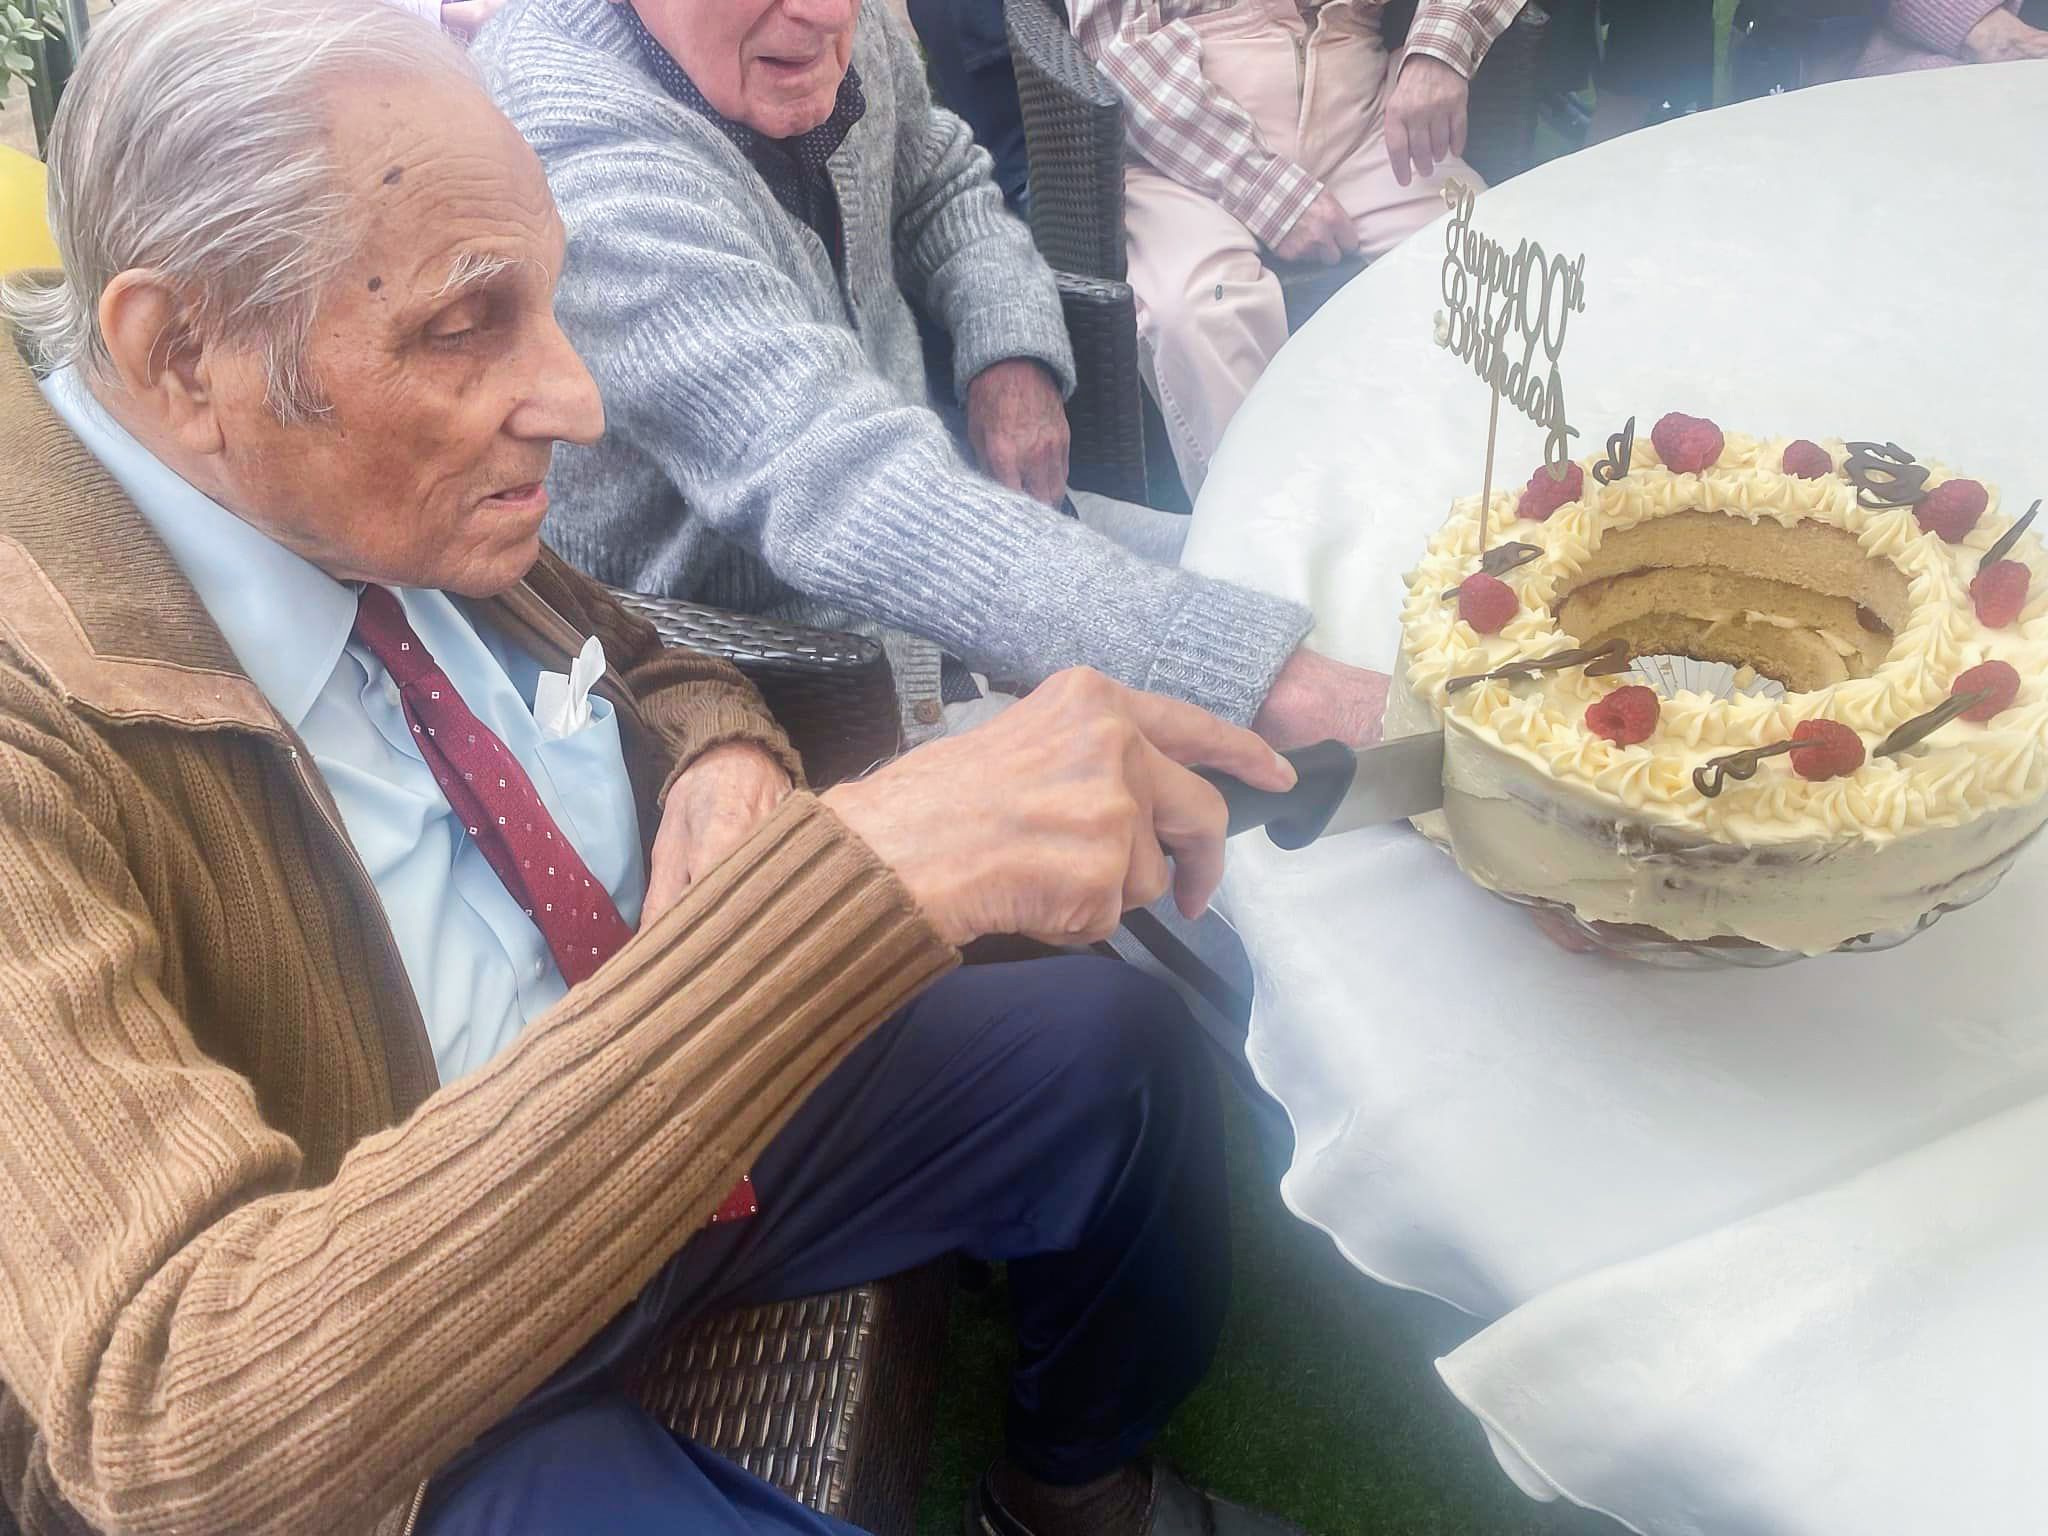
<point>1952,509</point>
<point>1626,716</point>
<point>1999,592</point>
<point>1545,493</point>
<point>1809,461</point>
<point>1996,678</point>
<point>1832,750</point>
<point>1486,602</point>
<point>1686,444</point>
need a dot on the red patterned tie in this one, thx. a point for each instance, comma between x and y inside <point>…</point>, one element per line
<point>488,789</point>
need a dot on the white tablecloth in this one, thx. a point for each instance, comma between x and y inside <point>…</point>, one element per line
<point>1768,1252</point>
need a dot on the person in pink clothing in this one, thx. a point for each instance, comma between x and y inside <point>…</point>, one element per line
<point>1932,34</point>
<point>465,18</point>
<point>1263,130</point>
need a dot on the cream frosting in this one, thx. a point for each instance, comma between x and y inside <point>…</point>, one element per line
<point>1962,772</point>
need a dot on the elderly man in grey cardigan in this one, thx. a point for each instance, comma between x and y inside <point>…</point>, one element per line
<point>756,193</point>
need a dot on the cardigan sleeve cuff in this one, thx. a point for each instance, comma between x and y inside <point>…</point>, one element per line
<point>1225,647</point>
<point>724,721</point>
<point>1025,326</point>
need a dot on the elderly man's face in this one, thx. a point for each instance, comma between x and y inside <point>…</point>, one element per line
<point>446,401</point>
<point>774,65</point>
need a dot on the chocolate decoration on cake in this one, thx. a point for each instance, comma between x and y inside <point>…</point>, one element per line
<point>1920,727</point>
<point>2009,538</point>
<point>1501,559</point>
<point>1607,660</point>
<point>1885,475</point>
<point>1712,776</point>
<point>1621,452</point>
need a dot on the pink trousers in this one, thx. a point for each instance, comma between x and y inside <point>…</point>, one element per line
<point>1210,315</point>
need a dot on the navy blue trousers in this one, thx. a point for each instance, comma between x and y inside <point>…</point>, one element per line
<point>969,57</point>
<point>1059,1115</point>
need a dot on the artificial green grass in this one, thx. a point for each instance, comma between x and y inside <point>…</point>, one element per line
<point>1323,1404</point>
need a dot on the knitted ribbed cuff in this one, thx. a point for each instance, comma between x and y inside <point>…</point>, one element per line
<point>1939,25</point>
<point>1225,647</point>
<point>722,721</point>
<point>1029,325</point>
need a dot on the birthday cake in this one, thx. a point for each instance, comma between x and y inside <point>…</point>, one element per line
<point>1735,690</point>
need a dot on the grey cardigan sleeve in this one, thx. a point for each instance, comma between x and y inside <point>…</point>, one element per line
<point>960,253</point>
<point>772,425</point>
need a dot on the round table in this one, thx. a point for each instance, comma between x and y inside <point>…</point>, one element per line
<point>1761,1251</point>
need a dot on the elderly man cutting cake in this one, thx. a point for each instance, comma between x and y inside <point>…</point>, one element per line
<point>757,193</point>
<point>388,1059</point>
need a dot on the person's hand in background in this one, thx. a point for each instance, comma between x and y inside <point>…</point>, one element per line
<point>1317,699</point>
<point>466,18</point>
<point>1017,425</point>
<point>2001,36</point>
<point>1425,117</point>
<point>1323,236</point>
<point>712,807</point>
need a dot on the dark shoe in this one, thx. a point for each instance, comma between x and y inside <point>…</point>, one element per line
<point>1176,1510</point>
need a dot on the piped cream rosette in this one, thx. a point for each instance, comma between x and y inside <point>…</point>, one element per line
<point>1539,805</point>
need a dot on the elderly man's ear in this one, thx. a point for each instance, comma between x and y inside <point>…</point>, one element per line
<point>162,366</point>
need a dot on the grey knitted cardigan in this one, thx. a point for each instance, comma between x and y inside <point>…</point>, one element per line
<point>764,454</point>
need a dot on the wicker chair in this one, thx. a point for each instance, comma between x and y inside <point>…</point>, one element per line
<point>1106,412</point>
<point>829,1397</point>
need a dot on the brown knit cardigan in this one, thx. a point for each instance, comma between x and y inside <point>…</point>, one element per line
<point>258,1270</point>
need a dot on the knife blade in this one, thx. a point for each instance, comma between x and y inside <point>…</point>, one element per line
<point>1338,788</point>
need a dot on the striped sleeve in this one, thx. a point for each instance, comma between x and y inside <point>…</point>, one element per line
<point>1940,26</point>
<point>1460,31</point>
<point>1182,124</point>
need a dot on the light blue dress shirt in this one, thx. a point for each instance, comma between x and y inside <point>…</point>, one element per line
<point>478,965</point>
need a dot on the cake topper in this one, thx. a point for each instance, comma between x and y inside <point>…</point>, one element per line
<point>1501,559</point>
<point>1487,289</point>
<point>1608,660</point>
<point>2008,539</point>
<point>1885,475</point>
<point>1621,452</point>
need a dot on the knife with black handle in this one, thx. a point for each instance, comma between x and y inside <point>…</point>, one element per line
<point>1338,788</point>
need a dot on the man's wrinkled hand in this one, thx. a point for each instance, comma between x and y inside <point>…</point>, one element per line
<point>1317,699</point>
<point>466,18</point>
<point>1060,814</point>
<point>2001,36</point>
<point>1425,117</point>
<point>713,806</point>
<point>1322,236</point>
<point>1018,428</point>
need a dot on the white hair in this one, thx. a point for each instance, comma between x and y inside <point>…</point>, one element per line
<point>194,141</point>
